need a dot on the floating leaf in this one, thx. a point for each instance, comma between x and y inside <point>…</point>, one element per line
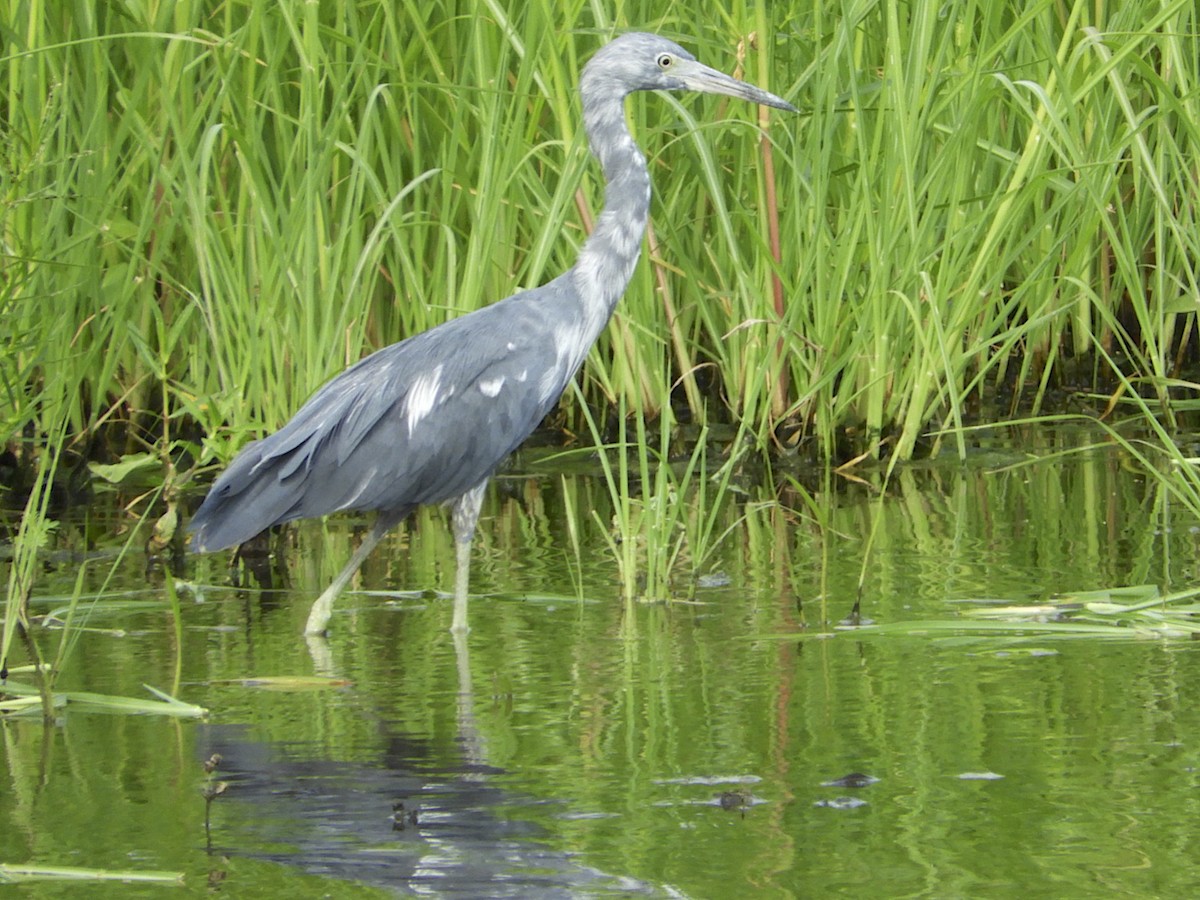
<point>10,874</point>
<point>853,780</point>
<point>289,682</point>
<point>20,706</point>
<point>841,803</point>
<point>165,705</point>
<point>1132,613</point>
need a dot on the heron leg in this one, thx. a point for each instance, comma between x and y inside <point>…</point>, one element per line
<point>464,517</point>
<point>322,608</point>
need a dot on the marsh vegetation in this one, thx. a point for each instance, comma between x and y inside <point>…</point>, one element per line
<point>980,235</point>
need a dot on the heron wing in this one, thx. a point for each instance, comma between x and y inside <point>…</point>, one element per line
<point>421,421</point>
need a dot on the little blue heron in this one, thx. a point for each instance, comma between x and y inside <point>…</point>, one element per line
<point>429,419</point>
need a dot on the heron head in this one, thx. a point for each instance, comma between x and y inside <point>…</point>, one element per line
<point>647,62</point>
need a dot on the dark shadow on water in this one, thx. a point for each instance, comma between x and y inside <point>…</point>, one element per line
<point>339,819</point>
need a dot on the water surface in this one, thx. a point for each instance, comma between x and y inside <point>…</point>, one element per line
<point>581,745</point>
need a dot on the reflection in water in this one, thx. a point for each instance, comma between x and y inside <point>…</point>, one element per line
<point>469,736</point>
<point>338,819</point>
<point>408,821</point>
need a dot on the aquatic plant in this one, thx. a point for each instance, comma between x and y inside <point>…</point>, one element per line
<point>978,197</point>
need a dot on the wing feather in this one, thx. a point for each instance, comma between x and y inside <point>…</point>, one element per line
<point>421,421</point>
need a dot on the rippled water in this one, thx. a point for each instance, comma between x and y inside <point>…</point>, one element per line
<point>578,745</point>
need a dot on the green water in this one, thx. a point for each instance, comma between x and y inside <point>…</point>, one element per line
<point>579,747</point>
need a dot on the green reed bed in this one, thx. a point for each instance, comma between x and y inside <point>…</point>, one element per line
<point>207,209</point>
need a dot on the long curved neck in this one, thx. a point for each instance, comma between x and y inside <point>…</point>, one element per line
<point>608,256</point>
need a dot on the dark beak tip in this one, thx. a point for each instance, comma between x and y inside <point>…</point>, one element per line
<point>777,103</point>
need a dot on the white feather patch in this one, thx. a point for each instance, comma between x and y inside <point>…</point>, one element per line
<point>422,398</point>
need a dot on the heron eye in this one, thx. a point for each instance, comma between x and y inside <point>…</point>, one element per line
<point>664,60</point>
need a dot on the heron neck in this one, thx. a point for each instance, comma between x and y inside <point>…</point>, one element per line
<point>607,258</point>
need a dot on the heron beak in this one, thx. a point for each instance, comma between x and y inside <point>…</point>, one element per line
<point>698,77</point>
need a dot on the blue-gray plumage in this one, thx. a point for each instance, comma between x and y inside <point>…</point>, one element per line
<point>429,419</point>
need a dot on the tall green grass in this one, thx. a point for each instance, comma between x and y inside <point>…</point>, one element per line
<point>206,209</point>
